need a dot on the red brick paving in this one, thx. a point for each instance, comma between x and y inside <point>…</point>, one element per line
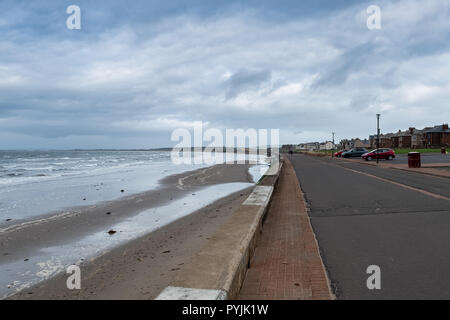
<point>286,263</point>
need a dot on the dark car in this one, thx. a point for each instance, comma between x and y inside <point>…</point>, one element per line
<point>355,152</point>
<point>387,154</point>
<point>339,153</point>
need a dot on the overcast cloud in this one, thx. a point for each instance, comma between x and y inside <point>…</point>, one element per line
<point>139,69</point>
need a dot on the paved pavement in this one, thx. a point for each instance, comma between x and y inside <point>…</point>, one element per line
<point>286,263</point>
<point>363,215</point>
<point>426,158</point>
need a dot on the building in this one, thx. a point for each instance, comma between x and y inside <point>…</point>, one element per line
<point>312,146</point>
<point>429,137</point>
<point>355,143</point>
<point>386,140</point>
<point>404,139</point>
<point>438,136</point>
<point>418,139</point>
<point>328,145</point>
<point>358,143</point>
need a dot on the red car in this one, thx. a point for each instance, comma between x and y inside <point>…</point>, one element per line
<point>387,154</point>
<point>339,153</point>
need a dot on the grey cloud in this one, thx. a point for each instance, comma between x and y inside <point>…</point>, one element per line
<point>245,79</point>
<point>305,75</point>
<point>353,59</point>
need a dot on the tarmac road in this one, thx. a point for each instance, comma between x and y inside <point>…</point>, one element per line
<point>426,158</point>
<point>364,215</point>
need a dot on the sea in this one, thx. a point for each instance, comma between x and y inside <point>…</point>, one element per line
<point>38,185</point>
<point>34,183</point>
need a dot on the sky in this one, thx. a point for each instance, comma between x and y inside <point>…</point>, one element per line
<point>137,70</point>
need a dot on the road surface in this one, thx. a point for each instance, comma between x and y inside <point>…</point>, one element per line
<point>426,158</point>
<point>364,215</point>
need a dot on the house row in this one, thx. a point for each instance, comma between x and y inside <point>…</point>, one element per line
<point>310,146</point>
<point>354,143</point>
<point>429,137</point>
<point>314,146</point>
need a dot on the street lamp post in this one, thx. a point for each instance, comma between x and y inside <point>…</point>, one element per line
<point>332,149</point>
<point>378,135</point>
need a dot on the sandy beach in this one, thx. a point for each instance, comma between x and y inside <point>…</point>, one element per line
<point>135,269</point>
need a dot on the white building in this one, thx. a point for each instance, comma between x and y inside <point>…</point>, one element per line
<point>311,146</point>
<point>326,146</point>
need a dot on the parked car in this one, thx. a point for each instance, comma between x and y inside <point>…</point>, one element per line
<point>339,153</point>
<point>387,154</point>
<point>355,152</point>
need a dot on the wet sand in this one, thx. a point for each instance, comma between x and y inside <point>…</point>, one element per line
<point>142,267</point>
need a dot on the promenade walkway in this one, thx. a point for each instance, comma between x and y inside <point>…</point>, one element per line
<point>286,263</point>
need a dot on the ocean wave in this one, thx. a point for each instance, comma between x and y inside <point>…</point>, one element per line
<point>29,166</point>
<point>13,174</point>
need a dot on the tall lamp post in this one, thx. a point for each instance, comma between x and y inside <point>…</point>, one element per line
<point>378,135</point>
<point>332,149</point>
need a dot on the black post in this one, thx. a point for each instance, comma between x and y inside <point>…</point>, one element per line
<point>378,135</point>
<point>332,149</point>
